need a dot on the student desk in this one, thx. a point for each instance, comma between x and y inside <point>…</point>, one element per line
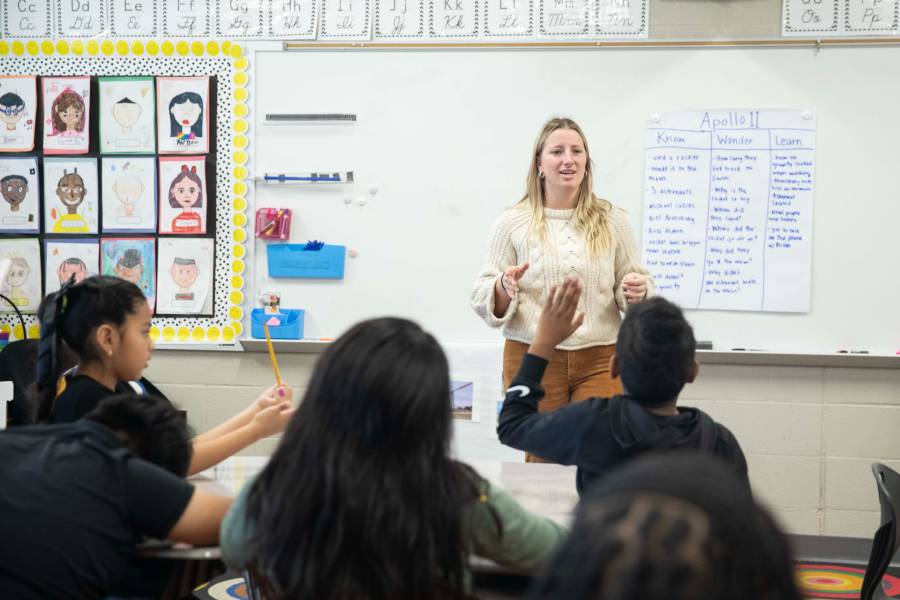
<point>544,489</point>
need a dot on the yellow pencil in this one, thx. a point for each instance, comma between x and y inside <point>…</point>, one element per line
<point>272,355</point>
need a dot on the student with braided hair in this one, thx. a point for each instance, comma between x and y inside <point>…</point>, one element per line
<point>676,526</point>
<point>654,357</point>
<point>105,322</point>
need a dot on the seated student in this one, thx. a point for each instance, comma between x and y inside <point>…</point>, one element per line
<point>655,358</point>
<point>674,526</point>
<point>105,321</point>
<point>78,498</point>
<point>361,499</point>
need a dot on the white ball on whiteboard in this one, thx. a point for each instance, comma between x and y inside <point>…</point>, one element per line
<point>353,252</point>
<point>806,114</point>
<point>362,200</point>
<point>348,200</point>
<point>655,118</point>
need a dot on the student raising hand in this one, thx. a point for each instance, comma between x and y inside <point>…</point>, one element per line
<point>558,319</point>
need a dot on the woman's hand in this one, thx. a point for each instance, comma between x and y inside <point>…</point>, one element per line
<point>508,283</point>
<point>634,287</point>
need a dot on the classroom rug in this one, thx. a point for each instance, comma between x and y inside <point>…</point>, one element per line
<point>839,582</point>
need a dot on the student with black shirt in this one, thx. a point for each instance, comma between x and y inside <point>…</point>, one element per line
<point>78,498</point>
<point>654,357</point>
<point>105,321</point>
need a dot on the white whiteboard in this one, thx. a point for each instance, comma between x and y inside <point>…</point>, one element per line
<point>445,136</point>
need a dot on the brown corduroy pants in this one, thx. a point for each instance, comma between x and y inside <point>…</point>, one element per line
<point>571,376</point>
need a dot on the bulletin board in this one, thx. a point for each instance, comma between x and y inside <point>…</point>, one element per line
<point>226,65</point>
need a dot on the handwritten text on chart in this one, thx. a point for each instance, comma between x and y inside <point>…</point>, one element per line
<point>728,208</point>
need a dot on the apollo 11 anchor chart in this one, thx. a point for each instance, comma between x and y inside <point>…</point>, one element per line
<point>728,205</point>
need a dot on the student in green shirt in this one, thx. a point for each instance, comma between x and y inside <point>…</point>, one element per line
<point>361,498</point>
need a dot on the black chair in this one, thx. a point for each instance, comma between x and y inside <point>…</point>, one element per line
<point>17,364</point>
<point>886,541</point>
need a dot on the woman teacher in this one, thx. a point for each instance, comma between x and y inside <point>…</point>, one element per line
<point>560,228</point>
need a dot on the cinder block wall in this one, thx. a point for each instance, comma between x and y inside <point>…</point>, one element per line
<point>810,434</point>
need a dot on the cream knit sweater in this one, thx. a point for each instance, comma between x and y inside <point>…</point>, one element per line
<point>563,253</point>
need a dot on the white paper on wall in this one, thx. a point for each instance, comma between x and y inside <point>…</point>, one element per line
<point>182,194</point>
<point>18,107</point>
<point>23,285</point>
<point>80,18</point>
<point>728,205</point>
<point>185,279</point>
<point>240,19</point>
<point>871,17</point>
<point>509,18</point>
<point>129,194</point>
<point>621,18</point>
<point>292,19</point>
<point>26,19</point>
<point>346,20</point>
<point>67,107</point>
<point>127,115</point>
<point>476,379</point>
<point>453,18</point>
<point>67,258</point>
<point>19,194</point>
<point>133,18</point>
<point>186,18</point>
<point>564,18</point>
<point>131,259</point>
<point>182,114</point>
<point>399,19</point>
<point>801,17</point>
<point>71,195</point>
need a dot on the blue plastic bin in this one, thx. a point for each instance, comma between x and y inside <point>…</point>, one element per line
<point>293,260</point>
<point>291,327</point>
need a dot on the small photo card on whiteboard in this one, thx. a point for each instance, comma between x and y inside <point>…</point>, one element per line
<point>182,105</point>
<point>20,191</point>
<point>127,115</point>
<point>18,107</point>
<point>71,195</point>
<point>129,194</point>
<point>23,285</point>
<point>131,259</point>
<point>182,194</point>
<point>70,258</point>
<point>185,276</point>
<point>67,106</point>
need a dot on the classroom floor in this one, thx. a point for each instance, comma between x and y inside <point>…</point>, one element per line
<point>827,568</point>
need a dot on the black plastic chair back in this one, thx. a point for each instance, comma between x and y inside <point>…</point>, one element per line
<point>886,542</point>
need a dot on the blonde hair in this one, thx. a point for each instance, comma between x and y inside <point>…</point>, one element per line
<point>591,216</point>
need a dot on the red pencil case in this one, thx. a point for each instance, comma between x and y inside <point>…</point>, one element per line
<point>273,223</point>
